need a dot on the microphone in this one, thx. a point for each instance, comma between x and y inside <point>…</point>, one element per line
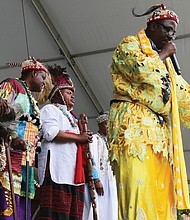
<point>175,64</point>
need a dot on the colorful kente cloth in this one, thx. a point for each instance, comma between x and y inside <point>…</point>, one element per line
<point>13,90</point>
<point>140,132</point>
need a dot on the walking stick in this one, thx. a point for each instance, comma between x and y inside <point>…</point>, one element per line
<point>27,179</point>
<point>7,145</point>
<point>84,122</point>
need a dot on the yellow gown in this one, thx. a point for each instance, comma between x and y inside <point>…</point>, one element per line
<point>140,132</point>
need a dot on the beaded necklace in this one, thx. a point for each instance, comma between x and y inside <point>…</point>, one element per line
<point>31,98</point>
<point>3,157</point>
<point>34,118</point>
<point>73,123</point>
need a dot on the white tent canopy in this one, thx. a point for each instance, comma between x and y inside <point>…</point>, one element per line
<point>81,35</point>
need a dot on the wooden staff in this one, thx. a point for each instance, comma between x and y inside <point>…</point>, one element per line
<point>28,149</point>
<point>7,145</point>
<point>88,155</point>
<point>27,181</point>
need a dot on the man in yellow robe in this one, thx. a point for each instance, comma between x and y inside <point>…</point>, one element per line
<point>145,144</point>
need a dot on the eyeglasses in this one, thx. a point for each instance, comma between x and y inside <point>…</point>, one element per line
<point>169,30</point>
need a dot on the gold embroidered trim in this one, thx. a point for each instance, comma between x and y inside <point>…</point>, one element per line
<point>9,210</point>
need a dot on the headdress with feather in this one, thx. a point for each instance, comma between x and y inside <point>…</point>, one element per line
<point>57,78</point>
<point>158,12</point>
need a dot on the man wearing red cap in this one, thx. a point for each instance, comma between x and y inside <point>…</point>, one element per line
<point>146,150</point>
<point>62,194</point>
<point>24,136</point>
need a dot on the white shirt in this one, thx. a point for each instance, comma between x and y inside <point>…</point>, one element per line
<point>62,155</point>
